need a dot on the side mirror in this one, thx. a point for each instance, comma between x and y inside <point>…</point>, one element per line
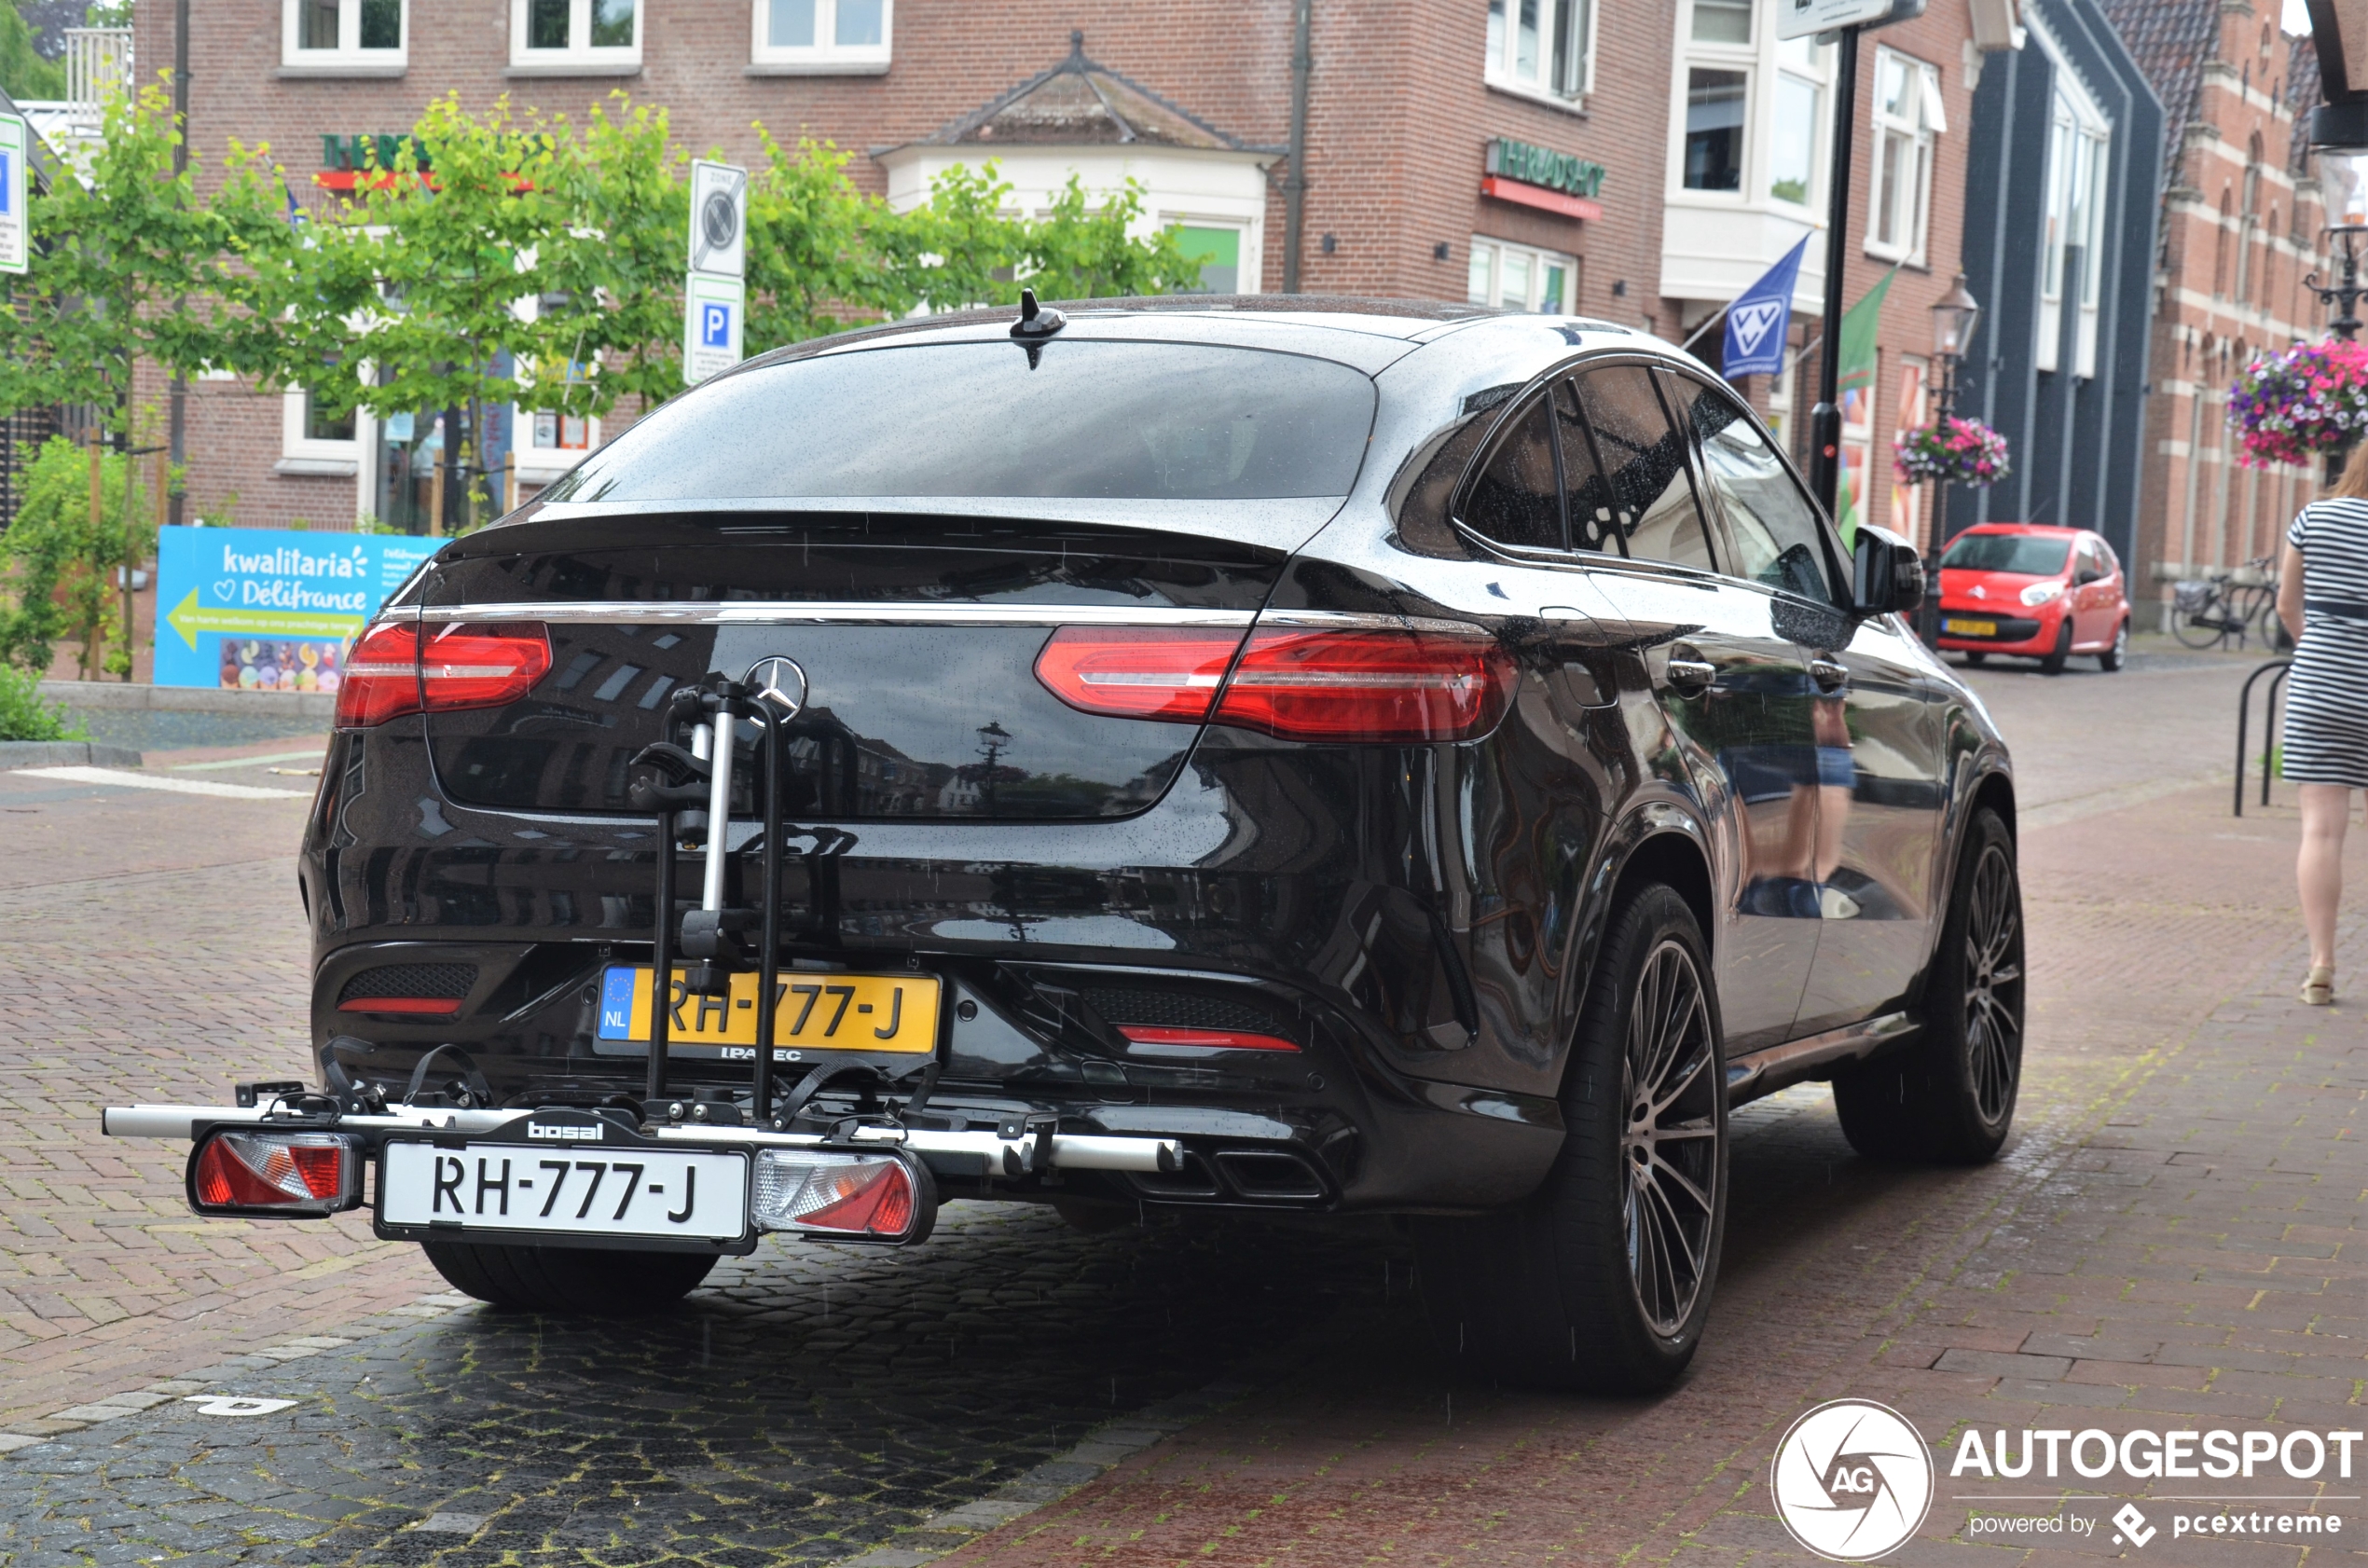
<point>2087,576</point>
<point>1887,575</point>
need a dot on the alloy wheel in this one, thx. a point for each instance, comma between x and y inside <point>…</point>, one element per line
<point>1669,1145</point>
<point>1993,983</point>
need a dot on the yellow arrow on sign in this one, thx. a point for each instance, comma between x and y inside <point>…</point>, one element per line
<point>188,619</point>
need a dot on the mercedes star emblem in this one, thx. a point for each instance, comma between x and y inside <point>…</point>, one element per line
<point>779,682</point>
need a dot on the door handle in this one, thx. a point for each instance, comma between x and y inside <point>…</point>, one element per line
<point>1689,673</point>
<point>1831,675</point>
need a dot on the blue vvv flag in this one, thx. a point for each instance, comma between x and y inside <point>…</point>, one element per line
<point>1759,316</point>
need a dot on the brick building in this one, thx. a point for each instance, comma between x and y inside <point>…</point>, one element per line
<point>2241,226</point>
<point>1510,151</point>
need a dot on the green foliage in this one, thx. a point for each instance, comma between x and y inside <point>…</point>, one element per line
<point>60,566</point>
<point>24,73</point>
<point>23,713</point>
<point>131,268</point>
<point>1077,251</point>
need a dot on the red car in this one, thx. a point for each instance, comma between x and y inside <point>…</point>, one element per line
<point>2032,590</point>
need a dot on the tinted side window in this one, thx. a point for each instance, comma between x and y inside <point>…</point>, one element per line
<point>1777,539</point>
<point>1515,500</point>
<point>1642,492</point>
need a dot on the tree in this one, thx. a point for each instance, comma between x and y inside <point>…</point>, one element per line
<point>412,306</point>
<point>23,73</point>
<point>1077,251</point>
<point>126,267</point>
<point>61,564</point>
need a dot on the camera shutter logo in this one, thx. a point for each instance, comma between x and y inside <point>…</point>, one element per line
<point>1852,1479</point>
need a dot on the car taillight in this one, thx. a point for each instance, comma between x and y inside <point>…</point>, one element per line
<point>395,670</point>
<point>382,678</point>
<point>1381,685</point>
<point>1137,672</point>
<point>1370,685</point>
<point>234,1172</point>
<point>842,1196</point>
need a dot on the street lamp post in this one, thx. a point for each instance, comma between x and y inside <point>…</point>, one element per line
<point>1955,314</point>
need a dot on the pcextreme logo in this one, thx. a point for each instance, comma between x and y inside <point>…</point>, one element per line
<point>1852,1481</point>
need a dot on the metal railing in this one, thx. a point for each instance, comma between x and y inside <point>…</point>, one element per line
<point>98,63</point>
<point>2269,726</point>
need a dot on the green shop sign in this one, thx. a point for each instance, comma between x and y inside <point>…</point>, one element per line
<point>1542,166</point>
<point>346,154</point>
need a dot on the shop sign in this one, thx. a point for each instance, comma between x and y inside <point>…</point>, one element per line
<point>345,159</point>
<point>1535,176</point>
<point>269,609</point>
<point>16,232</point>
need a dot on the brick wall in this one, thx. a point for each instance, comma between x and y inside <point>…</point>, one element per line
<point>1399,118</point>
<point>2201,510</point>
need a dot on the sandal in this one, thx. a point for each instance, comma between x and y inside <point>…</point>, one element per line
<point>2319,986</point>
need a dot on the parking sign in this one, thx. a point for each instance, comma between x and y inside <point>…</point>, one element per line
<point>15,230</point>
<point>714,311</point>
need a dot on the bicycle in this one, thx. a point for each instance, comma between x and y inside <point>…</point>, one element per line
<point>2262,605</point>
<point>2204,612</point>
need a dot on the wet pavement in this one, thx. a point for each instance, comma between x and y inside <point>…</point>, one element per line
<point>812,1403</point>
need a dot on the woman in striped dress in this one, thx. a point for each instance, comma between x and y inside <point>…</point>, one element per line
<point>2322,597</point>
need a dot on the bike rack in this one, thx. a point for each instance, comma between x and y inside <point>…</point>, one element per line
<point>2269,726</point>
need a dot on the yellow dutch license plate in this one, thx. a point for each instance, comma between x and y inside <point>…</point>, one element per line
<point>887,1013</point>
<point>1971,628</point>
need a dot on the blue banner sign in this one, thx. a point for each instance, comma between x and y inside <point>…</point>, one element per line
<point>267,610</point>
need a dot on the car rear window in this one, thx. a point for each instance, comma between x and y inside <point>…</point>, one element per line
<point>2033,554</point>
<point>1079,418</point>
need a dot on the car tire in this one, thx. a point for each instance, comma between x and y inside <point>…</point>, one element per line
<point>1601,1281</point>
<point>1948,1097</point>
<point>2053,664</point>
<point>1977,658</point>
<point>2111,659</point>
<point>573,1281</point>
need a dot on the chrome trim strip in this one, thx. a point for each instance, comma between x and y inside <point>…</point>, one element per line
<point>735,613</point>
<point>1764,1071</point>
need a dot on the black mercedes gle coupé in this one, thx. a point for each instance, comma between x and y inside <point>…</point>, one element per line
<point>1259,754</point>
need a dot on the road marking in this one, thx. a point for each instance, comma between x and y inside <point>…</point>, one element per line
<point>177,786</point>
<point>312,756</point>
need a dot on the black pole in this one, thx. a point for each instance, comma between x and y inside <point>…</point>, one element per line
<point>1825,420</point>
<point>1294,183</point>
<point>768,963</point>
<point>177,417</point>
<point>662,959</point>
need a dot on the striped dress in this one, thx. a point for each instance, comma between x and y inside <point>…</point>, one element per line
<point>2327,713</point>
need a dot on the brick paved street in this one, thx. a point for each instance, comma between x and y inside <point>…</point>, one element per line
<point>2172,1239</point>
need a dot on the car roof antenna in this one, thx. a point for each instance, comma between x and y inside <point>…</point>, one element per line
<point>1036,323</point>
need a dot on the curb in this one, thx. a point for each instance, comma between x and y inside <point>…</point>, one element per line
<point>64,753</point>
<point>91,696</point>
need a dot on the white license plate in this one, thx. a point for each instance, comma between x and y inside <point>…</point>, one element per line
<point>566,1190</point>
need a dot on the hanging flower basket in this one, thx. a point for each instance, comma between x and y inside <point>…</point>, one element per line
<point>1955,451</point>
<point>2289,406</point>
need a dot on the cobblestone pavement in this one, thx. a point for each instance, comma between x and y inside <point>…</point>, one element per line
<point>2173,1236</point>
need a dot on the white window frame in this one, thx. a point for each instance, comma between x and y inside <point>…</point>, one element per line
<point>1557,20</point>
<point>349,58</point>
<point>1817,76</point>
<point>579,56</point>
<point>1914,133</point>
<point>2079,143</point>
<point>1746,59</point>
<point>1491,252</point>
<point>825,56</point>
<point>302,456</point>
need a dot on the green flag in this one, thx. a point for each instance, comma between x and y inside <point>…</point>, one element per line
<point>1854,371</point>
